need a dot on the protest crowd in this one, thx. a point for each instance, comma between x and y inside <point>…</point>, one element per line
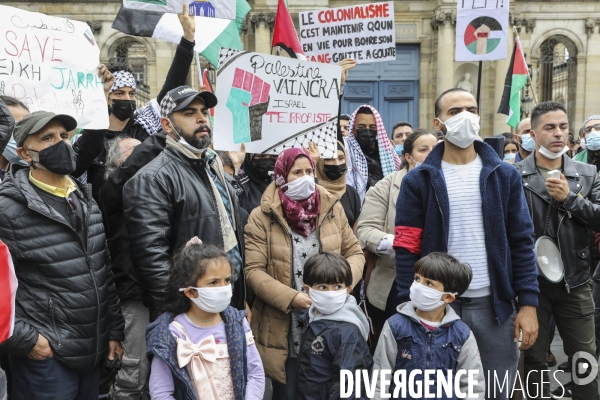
<point>149,264</point>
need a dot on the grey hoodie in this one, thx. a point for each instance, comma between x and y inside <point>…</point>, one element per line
<point>468,359</point>
<point>348,313</point>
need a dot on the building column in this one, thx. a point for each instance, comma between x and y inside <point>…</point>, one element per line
<point>444,22</point>
<point>262,23</point>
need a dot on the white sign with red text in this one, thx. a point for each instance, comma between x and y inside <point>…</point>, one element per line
<point>363,32</point>
<point>51,64</point>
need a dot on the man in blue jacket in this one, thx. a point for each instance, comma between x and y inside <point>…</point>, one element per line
<point>458,202</point>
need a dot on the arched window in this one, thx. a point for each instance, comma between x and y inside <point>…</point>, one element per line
<point>558,72</point>
<point>131,52</point>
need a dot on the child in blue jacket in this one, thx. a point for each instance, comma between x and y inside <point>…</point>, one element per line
<point>336,336</point>
<point>426,333</point>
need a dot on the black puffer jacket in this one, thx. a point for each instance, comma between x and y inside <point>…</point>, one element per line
<point>66,290</point>
<point>167,203</point>
<point>578,215</point>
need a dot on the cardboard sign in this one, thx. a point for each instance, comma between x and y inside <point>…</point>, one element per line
<point>274,103</point>
<point>51,64</point>
<point>481,30</point>
<point>364,32</point>
<point>224,9</point>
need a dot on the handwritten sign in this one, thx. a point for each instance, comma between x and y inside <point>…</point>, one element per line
<point>225,9</point>
<point>51,64</point>
<point>273,103</point>
<point>481,30</point>
<point>364,32</point>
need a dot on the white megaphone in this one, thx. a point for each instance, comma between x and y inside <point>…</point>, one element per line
<point>548,260</point>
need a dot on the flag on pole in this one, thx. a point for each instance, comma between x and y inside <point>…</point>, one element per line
<point>516,78</point>
<point>211,33</point>
<point>8,291</point>
<point>284,33</point>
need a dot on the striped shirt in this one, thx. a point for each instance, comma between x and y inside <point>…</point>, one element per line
<point>466,238</point>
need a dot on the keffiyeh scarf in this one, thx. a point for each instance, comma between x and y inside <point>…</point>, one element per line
<point>358,172</point>
<point>123,79</point>
<point>148,117</point>
<point>300,215</point>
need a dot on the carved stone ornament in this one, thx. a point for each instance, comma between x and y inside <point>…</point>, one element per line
<point>95,26</point>
<point>590,24</point>
<point>267,18</point>
<point>529,24</point>
<point>441,16</point>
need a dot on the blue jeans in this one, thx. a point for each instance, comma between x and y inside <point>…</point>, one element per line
<point>50,380</point>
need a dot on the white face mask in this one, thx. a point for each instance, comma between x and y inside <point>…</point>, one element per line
<point>425,298</point>
<point>592,140</point>
<point>550,154</point>
<point>185,144</point>
<point>329,301</point>
<point>462,129</point>
<point>301,188</point>
<point>212,299</point>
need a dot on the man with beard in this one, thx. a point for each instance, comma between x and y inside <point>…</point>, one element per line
<point>371,155</point>
<point>180,194</point>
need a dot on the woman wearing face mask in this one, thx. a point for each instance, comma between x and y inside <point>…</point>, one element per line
<point>332,176</point>
<point>511,148</point>
<point>375,230</point>
<point>295,220</point>
<point>590,139</point>
<point>258,169</point>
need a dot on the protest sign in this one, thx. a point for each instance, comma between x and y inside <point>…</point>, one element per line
<point>51,64</point>
<point>224,9</point>
<point>481,30</point>
<point>274,103</point>
<point>363,32</point>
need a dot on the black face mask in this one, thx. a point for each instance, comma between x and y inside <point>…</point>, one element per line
<point>263,166</point>
<point>335,172</point>
<point>366,137</point>
<point>59,159</point>
<point>122,109</point>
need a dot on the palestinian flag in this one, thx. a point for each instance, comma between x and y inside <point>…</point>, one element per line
<point>8,291</point>
<point>206,83</point>
<point>211,33</point>
<point>516,78</point>
<point>284,33</point>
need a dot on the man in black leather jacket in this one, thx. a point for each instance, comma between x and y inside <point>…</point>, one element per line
<point>178,195</point>
<point>565,210</point>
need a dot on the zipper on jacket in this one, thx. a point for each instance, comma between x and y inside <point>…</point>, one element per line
<point>484,226</point>
<point>428,344</point>
<point>559,252</point>
<point>54,327</point>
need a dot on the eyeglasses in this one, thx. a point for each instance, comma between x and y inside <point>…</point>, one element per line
<point>73,215</point>
<point>591,128</point>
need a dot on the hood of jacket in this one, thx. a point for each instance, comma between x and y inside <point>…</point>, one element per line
<point>348,313</point>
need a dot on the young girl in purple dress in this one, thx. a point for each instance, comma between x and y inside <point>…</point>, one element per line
<point>200,347</point>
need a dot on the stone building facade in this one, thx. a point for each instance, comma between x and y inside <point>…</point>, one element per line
<point>561,40</point>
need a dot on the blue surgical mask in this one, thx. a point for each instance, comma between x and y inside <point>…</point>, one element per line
<point>509,156</point>
<point>10,153</point>
<point>592,141</point>
<point>527,143</point>
<point>399,149</point>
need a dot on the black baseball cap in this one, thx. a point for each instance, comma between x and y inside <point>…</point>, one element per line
<point>36,121</point>
<point>179,98</point>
